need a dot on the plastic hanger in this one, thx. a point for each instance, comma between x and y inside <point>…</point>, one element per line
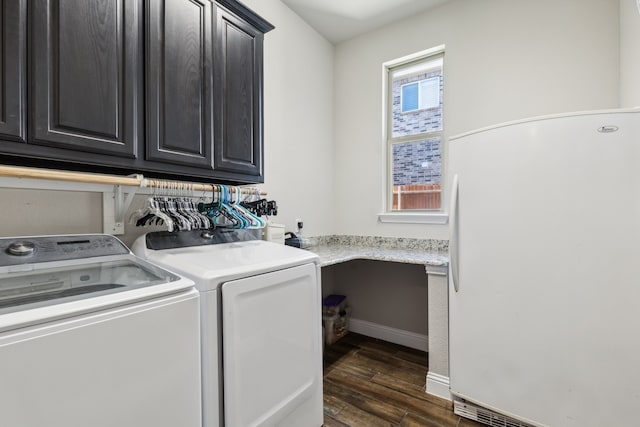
<point>253,222</point>
<point>223,215</point>
<point>151,212</point>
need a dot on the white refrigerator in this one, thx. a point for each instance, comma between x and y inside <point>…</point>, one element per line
<point>544,288</point>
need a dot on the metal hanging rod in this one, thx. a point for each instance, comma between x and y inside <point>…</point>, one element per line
<point>130,181</point>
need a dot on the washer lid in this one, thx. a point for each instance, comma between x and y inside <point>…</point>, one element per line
<point>36,293</point>
<point>49,277</point>
<point>210,265</point>
<point>37,285</point>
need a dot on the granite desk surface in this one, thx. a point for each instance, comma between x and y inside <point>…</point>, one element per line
<point>337,249</point>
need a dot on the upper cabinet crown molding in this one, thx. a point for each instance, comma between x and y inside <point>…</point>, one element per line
<point>243,12</point>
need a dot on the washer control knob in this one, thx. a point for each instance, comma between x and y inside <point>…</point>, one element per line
<point>21,248</point>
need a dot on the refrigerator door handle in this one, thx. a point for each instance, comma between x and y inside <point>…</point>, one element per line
<point>453,233</point>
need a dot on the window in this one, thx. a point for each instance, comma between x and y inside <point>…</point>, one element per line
<point>414,132</point>
<point>420,95</point>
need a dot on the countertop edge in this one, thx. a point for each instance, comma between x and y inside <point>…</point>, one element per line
<point>336,254</point>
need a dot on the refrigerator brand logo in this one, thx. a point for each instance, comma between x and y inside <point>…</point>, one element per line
<point>608,129</point>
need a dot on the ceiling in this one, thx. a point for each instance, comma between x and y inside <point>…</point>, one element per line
<point>340,20</point>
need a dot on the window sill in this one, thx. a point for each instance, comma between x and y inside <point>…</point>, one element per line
<point>414,218</point>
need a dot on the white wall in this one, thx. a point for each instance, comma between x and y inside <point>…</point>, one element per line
<point>385,293</point>
<point>36,212</point>
<point>504,60</point>
<point>41,212</point>
<point>298,75</point>
<point>629,54</point>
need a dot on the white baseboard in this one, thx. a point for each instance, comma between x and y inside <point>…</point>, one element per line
<point>386,333</point>
<point>438,385</point>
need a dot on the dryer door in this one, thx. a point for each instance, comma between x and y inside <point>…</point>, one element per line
<point>272,349</point>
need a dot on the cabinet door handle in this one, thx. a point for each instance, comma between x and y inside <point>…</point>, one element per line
<point>453,233</point>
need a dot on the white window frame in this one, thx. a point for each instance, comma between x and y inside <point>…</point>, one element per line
<point>406,217</point>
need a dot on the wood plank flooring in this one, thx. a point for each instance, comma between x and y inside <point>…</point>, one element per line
<point>373,383</point>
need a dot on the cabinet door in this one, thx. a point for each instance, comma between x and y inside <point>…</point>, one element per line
<point>13,46</point>
<point>179,82</point>
<point>86,64</point>
<point>238,96</point>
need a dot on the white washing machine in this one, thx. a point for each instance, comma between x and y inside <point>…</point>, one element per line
<point>91,335</point>
<point>261,325</point>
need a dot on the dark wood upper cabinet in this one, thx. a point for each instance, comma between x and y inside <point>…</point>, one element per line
<point>238,146</point>
<point>86,59</point>
<point>161,87</point>
<point>179,82</point>
<point>13,72</point>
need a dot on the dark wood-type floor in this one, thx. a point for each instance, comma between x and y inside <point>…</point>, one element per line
<point>373,383</point>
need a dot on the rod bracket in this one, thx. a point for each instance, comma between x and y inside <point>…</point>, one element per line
<point>115,205</point>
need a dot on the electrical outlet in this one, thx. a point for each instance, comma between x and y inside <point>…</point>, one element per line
<point>299,225</point>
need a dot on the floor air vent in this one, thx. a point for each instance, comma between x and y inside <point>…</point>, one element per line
<point>485,416</point>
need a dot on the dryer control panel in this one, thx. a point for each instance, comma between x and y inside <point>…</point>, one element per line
<point>159,240</point>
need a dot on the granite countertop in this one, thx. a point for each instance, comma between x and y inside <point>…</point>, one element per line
<point>337,249</point>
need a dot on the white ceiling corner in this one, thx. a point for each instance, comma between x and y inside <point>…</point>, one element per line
<point>340,20</point>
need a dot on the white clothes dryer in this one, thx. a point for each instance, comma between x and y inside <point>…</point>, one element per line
<point>260,321</point>
<point>91,335</point>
